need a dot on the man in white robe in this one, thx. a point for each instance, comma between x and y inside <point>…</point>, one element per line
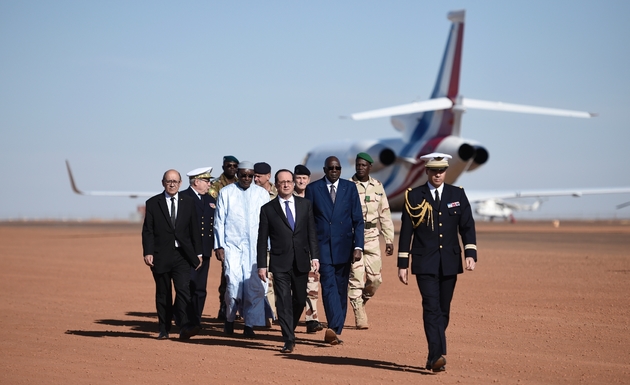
<point>235,235</point>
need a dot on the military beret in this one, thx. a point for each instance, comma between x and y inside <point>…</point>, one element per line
<point>230,158</point>
<point>301,170</point>
<point>365,156</point>
<point>262,168</point>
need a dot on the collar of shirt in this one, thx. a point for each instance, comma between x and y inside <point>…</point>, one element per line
<point>284,206</point>
<point>328,183</point>
<point>432,190</point>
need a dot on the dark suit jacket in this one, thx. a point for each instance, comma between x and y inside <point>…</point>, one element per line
<point>288,247</point>
<point>158,234</point>
<point>205,218</point>
<point>438,241</point>
<point>340,227</point>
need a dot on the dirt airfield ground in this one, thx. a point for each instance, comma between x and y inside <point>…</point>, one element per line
<point>545,305</point>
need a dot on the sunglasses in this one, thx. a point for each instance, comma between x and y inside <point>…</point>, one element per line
<point>333,168</point>
<point>246,176</point>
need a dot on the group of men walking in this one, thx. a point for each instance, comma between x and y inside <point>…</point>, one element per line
<point>297,232</point>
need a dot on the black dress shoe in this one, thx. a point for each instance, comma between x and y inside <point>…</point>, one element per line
<point>189,331</point>
<point>228,328</point>
<point>162,336</point>
<point>221,315</point>
<point>313,326</point>
<point>248,332</point>
<point>287,348</point>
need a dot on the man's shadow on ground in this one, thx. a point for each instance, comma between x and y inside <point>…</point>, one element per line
<point>212,335</point>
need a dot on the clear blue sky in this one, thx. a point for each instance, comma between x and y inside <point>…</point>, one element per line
<point>128,89</point>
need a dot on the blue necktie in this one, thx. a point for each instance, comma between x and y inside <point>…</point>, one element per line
<point>289,215</point>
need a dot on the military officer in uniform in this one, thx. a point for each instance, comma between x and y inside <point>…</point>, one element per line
<point>302,177</point>
<point>433,216</point>
<point>365,276</point>
<point>230,167</point>
<point>205,204</point>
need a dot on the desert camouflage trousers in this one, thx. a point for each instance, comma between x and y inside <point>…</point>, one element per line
<point>312,294</point>
<point>365,276</point>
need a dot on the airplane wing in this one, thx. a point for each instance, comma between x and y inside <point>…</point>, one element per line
<point>500,106</point>
<point>427,105</point>
<point>481,196</point>
<point>106,193</point>
<point>446,103</point>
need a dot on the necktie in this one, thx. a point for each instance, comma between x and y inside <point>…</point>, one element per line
<point>289,215</point>
<point>333,193</point>
<point>437,199</point>
<point>173,211</point>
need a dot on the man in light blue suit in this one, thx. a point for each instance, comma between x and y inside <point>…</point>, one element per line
<point>340,226</point>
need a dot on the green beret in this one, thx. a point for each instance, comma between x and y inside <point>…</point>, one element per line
<point>230,158</point>
<point>365,156</point>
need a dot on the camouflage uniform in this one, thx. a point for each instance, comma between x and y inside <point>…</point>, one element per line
<point>218,184</point>
<point>365,276</point>
<point>215,187</point>
<point>312,293</point>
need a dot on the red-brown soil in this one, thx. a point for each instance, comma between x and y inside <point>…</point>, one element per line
<point>545,305</point>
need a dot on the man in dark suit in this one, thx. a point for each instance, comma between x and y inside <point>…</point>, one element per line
<point>288,222</point>
<point>340,233</point>
<point>434,215</point>
<point>171,245</point>
<point>205,204</point>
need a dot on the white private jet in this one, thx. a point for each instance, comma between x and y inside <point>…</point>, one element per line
<point>428,126</point>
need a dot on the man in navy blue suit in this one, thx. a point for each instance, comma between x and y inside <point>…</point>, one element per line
<point>340,228</point>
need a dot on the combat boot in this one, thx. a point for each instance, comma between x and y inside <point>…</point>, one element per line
<point>360,316</point>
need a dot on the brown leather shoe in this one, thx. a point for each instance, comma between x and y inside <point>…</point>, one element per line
<point>331,337</point>
<point>438,365</point>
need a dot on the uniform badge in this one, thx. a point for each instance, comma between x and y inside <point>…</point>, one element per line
<point>212,205</point>
<point>367,198</point>
<point>451,205</point>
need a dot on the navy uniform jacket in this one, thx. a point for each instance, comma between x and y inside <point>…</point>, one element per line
<point>436,242</point>
<point>205,218</point>
<point>340,227</point>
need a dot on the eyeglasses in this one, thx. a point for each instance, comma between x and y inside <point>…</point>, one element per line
<point>231,165</point>
<point>172,181</point>
<point>285,182</point>
<point>204,180</point>
<point>333,168</point>
<point>246,176</point>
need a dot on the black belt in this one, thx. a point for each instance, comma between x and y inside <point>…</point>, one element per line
<point>369,225</point>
